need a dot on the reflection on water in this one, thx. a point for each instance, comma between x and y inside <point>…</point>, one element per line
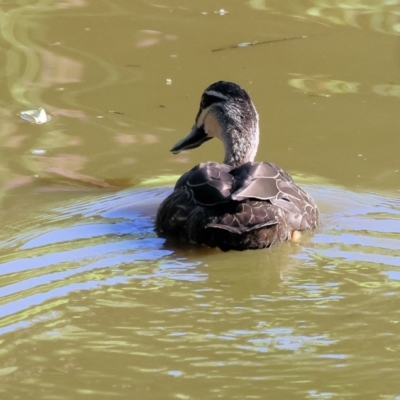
<point>325,87</point>
<point>382,16</point>
<point>92,281</point>
<point>322,86</point>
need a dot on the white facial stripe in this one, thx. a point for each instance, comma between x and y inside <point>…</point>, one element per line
<point>202,116</point>
<point>213,93</point>
<point>210,123</point>
<point>212,127</point>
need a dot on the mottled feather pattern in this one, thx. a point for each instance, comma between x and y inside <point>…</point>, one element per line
<point>251,206</point>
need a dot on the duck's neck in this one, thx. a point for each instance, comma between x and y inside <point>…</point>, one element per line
<point>240,148</point>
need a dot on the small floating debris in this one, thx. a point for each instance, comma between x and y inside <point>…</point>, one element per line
<point>168,81</point>
<point>256,43</point>
<point>38,152</point>
<point>116,112</point>
<point>37,117</point>
<point>221,12</point>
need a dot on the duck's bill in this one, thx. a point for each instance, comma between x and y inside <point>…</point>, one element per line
<point>196,138</point>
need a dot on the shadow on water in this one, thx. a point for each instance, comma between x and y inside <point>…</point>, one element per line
<point>106,240</point>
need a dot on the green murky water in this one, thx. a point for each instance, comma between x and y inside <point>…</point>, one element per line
<point>94,304</point>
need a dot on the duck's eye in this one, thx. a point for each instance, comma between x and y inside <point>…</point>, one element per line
<point>207,101</point>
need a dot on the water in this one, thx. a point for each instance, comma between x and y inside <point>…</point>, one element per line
<point>94,304</point>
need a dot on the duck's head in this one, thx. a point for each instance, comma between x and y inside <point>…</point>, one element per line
<point>226,112</point>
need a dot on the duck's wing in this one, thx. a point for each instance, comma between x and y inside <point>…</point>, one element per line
<point>210,183</point>
<point>237,200</point>
<point>233,199</point>
<point>204,186</point>
<point>258,181</point>
<point>267,195</point>
<point>301,211</point>
<point>267,181</point>
<point>244,217</point>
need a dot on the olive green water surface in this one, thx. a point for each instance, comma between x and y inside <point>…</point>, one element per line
<point>93,304</point>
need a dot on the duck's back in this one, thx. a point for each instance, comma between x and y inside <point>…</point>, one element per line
<point>251,206</point>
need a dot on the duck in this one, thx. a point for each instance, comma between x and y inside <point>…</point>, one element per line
<point>239,204</point>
